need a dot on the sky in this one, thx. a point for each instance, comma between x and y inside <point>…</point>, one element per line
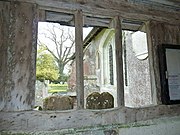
<point>42,31</point>
<point>42,26</point>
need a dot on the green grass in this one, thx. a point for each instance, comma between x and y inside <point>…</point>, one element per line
<point>57,88</point>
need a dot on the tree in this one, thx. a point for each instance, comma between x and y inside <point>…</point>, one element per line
<point>62,39</point>
<point>46,68</point>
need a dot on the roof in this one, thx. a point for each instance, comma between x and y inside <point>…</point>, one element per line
<point>126,25</point>
<point>93,33</point>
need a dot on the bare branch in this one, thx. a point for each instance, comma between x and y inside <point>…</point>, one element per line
<point>64,54</point>
<point>70,58</point>
<point>51,52</point>
<point>63,41</point>
<point>69,50</point>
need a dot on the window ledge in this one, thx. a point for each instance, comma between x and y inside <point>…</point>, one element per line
<point>57,120</point>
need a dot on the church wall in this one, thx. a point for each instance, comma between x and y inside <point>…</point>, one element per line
<point>137,87</point>
<point>138,90</point>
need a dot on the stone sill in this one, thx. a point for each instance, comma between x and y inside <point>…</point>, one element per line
<point>29,121</point>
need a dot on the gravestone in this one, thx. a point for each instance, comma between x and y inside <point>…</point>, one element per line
<point>107,100</point>
<point>99,101</point>
<point>92,101</point>
<point>41,92</point>
<point>58,103</point>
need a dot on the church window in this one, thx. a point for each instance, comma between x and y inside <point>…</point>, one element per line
<point>111,77</point>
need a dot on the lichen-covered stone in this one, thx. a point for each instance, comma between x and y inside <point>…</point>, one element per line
<point>58,103</point>
<point>99,101</point>
<point>107,100</point>
<point>92,101</point>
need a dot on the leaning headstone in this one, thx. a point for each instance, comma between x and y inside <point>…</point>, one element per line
<point>58,103</point>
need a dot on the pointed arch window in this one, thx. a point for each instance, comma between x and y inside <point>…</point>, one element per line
<point>111,77</point>
<point>97,61</point>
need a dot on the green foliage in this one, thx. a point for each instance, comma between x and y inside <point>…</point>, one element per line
<point>46,68</point>
<point>63,78</point>
<point>57,88</point>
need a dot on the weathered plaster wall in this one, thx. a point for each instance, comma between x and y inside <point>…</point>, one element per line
<point>91,82</point>
<point>18,50</point>
<point>90,78</point>
<point>137,91</point>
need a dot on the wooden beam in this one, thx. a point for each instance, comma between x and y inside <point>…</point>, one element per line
<point>62,18</point>
<point>155,80</point>
<point>159,33</point>
<point>79,59</point>
<point>18,55</point>
<point>42,16</point>
<point>119,61</point>
<point>89,21</point>
<point>96,21</point>
<point>72,122</point>
<point>68,19</point>
<point>107,8</point>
